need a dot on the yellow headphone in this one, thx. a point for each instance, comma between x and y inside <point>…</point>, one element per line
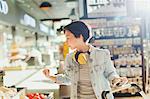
<point>80,57</point>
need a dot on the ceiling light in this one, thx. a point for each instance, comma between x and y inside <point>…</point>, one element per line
<point>45,5</point>
<point>72,14</point>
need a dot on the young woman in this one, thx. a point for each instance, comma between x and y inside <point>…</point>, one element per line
<point>89,69</point>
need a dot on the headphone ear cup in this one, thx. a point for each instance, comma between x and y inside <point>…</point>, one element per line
<point>82,59</point>
<point>79,58</point>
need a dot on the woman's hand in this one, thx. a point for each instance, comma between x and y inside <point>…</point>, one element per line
<point>46,72</point>
<point>117,82</point>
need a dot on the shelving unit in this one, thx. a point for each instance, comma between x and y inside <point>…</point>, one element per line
<point>124,39</point>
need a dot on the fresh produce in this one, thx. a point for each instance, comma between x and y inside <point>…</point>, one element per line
<point>36,96</point>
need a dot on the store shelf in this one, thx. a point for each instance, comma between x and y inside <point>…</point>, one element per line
<point>126,47</point>
<point>13,68</point>
<point>110,37</point>
<point>19,68</point>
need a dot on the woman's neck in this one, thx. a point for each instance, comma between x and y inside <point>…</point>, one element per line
<point>84,48</point>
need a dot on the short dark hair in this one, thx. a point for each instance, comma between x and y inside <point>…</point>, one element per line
<point>78,28</point>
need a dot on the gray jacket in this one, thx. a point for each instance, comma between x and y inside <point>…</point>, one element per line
<point>101,71</point>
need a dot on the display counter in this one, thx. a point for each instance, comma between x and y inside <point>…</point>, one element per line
<point>15,77</point>
<point>39,83</point>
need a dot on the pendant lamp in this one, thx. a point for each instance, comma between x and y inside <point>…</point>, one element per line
<point>45,5</point>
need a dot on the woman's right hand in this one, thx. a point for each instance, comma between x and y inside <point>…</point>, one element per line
<point>46,72</point>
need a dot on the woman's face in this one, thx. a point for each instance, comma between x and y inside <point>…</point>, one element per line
<point>72,41</point>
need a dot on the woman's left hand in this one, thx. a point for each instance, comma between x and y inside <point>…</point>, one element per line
<point>117,82</point>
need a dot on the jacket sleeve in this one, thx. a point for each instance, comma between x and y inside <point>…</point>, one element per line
<point>65,77</point>
<point>110,70</point>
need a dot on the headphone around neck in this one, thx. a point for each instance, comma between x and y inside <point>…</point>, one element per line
<point>80,57</point>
